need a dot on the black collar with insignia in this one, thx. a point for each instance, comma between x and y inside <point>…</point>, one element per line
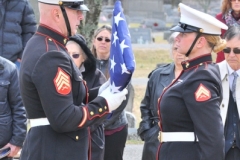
<point>52,34</point>
<point>207,58</point>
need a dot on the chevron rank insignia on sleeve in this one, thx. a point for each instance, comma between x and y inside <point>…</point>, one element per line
<point>202,93</point>
<point>62,82</point>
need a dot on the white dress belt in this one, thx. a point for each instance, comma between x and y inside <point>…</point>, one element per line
<point>39,122</point>
<point>177,137</point>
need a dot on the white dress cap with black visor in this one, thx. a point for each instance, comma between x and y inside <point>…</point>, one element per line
<point>75,5</point>
<point>192,20</point>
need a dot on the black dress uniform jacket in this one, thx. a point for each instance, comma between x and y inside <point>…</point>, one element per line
<point>52,87</point>
<point>148,128</point>
<point>191,104</point>
<point>94,79</point>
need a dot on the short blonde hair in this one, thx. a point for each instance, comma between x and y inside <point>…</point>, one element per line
<point>215,42</point>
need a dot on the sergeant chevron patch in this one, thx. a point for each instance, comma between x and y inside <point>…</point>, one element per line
<point>62,82</point>
<point>202,93</point>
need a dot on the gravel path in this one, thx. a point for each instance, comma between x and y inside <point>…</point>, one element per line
<point>133,152</point>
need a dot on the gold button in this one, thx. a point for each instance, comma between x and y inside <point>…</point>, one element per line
<point>105,107</point>
<point>200,64</point>
<point>100,110</point>
<point>49,39</point>
<point>91,113</point>
<point>77,137</point>
<point>187,64</point>
<point>64,40</point>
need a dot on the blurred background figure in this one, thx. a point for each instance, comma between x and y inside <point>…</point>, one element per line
<point>17,25</point>
<point>94,78</point>
<point>230,15</point>
<point>116,128</point>
<point>230,73</point>
<point>159,79</point>
<point>12,113</point>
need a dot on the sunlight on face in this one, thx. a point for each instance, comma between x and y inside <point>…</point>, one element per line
<point>184,41</point>
<point>74,17</point>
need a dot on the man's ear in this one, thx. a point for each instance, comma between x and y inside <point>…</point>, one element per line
<point>56,15</point>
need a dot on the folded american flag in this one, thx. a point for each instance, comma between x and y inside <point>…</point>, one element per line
<point>122,62</point>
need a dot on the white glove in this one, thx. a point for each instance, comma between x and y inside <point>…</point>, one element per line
<point>103,87</point>
<point>114,100</point>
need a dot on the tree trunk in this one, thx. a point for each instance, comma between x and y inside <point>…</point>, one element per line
<point>90,24</point>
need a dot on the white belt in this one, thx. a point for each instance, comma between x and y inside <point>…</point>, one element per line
<point>39,122</point>
<point>177,137</point>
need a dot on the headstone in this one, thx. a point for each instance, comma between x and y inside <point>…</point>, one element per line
<point>129,105</point>
<point>141,35</point>
<point>131,120</point>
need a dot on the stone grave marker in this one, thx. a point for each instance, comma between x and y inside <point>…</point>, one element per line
<point>141,35</point>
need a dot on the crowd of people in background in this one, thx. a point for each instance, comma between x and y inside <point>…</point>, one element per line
<point>190,109</point>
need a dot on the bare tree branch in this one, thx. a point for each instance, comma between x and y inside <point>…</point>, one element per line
<point>90,24</point>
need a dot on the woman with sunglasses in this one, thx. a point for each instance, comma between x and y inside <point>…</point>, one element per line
<point>230,106</point>
<point>190,121</point>
<point>101,47</point>
<point>116,128</point>
<point>230,15</point>
<point>94,78</point>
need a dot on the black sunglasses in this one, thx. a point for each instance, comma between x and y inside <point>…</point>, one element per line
<point>76,55</point>
<point>228,50</point>
<point>101,38</point>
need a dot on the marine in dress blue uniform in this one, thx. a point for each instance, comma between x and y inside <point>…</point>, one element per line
<point>190,120</point>
<point>54,95</point>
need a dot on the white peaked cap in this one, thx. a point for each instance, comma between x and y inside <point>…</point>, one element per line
<point>195,21</point>
<point>81,7</point>
<point>57,1</point>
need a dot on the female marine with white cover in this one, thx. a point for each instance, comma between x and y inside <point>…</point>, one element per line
<point>190,120</point>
